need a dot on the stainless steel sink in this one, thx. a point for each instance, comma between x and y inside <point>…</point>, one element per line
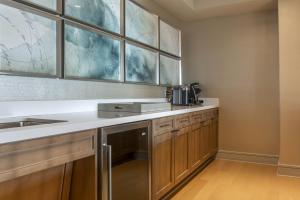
<point>28,122</point>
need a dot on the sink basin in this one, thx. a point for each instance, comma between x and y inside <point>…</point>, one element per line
<point>28,122</point>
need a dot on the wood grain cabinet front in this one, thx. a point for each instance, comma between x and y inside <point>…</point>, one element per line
<point>195,138</point>
<point>52,168</point>
<point>205,139</point>
<point>213,140</point>
<point>162,164</point>
<point>181,144</point>
<point>181,153</point>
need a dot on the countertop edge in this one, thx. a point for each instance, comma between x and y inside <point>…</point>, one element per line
<point>30,133</point>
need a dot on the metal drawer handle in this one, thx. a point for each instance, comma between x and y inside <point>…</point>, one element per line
<point>118,107</point>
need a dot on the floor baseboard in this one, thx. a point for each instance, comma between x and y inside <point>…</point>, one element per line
<point>248,157</point>
<point>288,170</point>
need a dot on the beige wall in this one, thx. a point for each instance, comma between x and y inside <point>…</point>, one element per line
<point>289,37</point>
<point>236,59</point>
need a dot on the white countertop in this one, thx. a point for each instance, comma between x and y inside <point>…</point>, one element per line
<point>79,121</point>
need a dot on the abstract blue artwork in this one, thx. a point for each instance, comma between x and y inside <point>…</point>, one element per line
<point>50,4</point>
<point>27,42</point>
<point>141,65</point>
<point>170,40</point>
<point>91,55</point>
<point>141,25</point>
<point>102,13</point>
<point>169,71</point>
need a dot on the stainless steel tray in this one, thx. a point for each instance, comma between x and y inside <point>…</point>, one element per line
<point>137,107</point>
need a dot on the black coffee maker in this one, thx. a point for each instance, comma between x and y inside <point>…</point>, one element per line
<point>181,95</point>
<point>195,94</point>
<point>184,95</point>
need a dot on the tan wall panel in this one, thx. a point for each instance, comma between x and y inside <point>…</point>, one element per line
<point>289,37</point>
<point>236,59</point>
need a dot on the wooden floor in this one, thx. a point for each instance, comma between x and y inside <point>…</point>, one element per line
<point>228,180</point>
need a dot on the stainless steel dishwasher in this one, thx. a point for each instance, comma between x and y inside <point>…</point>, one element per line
<point>126,162</point>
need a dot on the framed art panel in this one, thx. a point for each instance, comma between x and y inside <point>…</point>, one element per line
<point>91,55</point>
<point>49,4</point>
<point>105,14</point>
<point>170,71</point>
<point>141,65</point>
<point>170,39</point>
<point>141,25</point>
<point>29,41</point>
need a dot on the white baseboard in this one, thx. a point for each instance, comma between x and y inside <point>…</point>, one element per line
<point>288,170</point>
<point>248,157</point>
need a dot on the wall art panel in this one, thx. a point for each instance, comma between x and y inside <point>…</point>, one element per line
<point>169,71</point>
<point>102,13</point>
<point>50,4</point>
<point>141,65</point>
<point>141,25</point>
<point>170,40</point>
<point>27,42</point>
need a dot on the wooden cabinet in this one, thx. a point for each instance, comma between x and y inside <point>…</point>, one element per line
<point>214,136</point>
<point>52,168</point>
<point>43,185</point>
<point>181,151</point>
<point>65,167</point>
<point>82,178</point>
<point>71,181</point>
<point>195,155</point>
<point>205,139</point>
<point>181,144</point>
<point>163,159</point>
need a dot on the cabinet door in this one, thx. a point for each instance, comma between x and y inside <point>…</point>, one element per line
<point>83,179</point>
<point>195,156</point>
<point>181,151</point>
<point>205,136</point>
<point>43,185</point>
<point>214,137</point>
<point>162,166</point>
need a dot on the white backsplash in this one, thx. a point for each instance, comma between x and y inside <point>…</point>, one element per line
<point>28,108</point>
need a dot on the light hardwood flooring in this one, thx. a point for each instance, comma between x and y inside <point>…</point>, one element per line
<point>229,180</point>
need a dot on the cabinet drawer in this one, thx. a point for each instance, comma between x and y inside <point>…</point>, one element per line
<point>195,126</point>
<point>182,121</point>
<point>196,117</point>
<point>27,157</point>
<point>215,113</point>
<point>211,114</point>
<point>163,125</point>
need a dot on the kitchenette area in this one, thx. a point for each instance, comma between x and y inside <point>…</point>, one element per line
<point>149,100</point>
<point>107,154</point>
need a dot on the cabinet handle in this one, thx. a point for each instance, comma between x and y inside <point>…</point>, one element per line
<point>175,131</point>
<point>164,126</point>
<point>109,170</point>
<point>184,120</point>
<point>109,173</point>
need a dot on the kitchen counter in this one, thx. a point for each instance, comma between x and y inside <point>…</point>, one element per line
<point>79,121</point>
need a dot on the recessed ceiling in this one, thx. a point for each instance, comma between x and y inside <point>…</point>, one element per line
<point>193,10</point>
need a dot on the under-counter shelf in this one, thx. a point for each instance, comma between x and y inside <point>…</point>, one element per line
<point>23,158</point>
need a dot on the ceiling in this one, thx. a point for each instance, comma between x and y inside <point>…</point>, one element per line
<point>193,10</point>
